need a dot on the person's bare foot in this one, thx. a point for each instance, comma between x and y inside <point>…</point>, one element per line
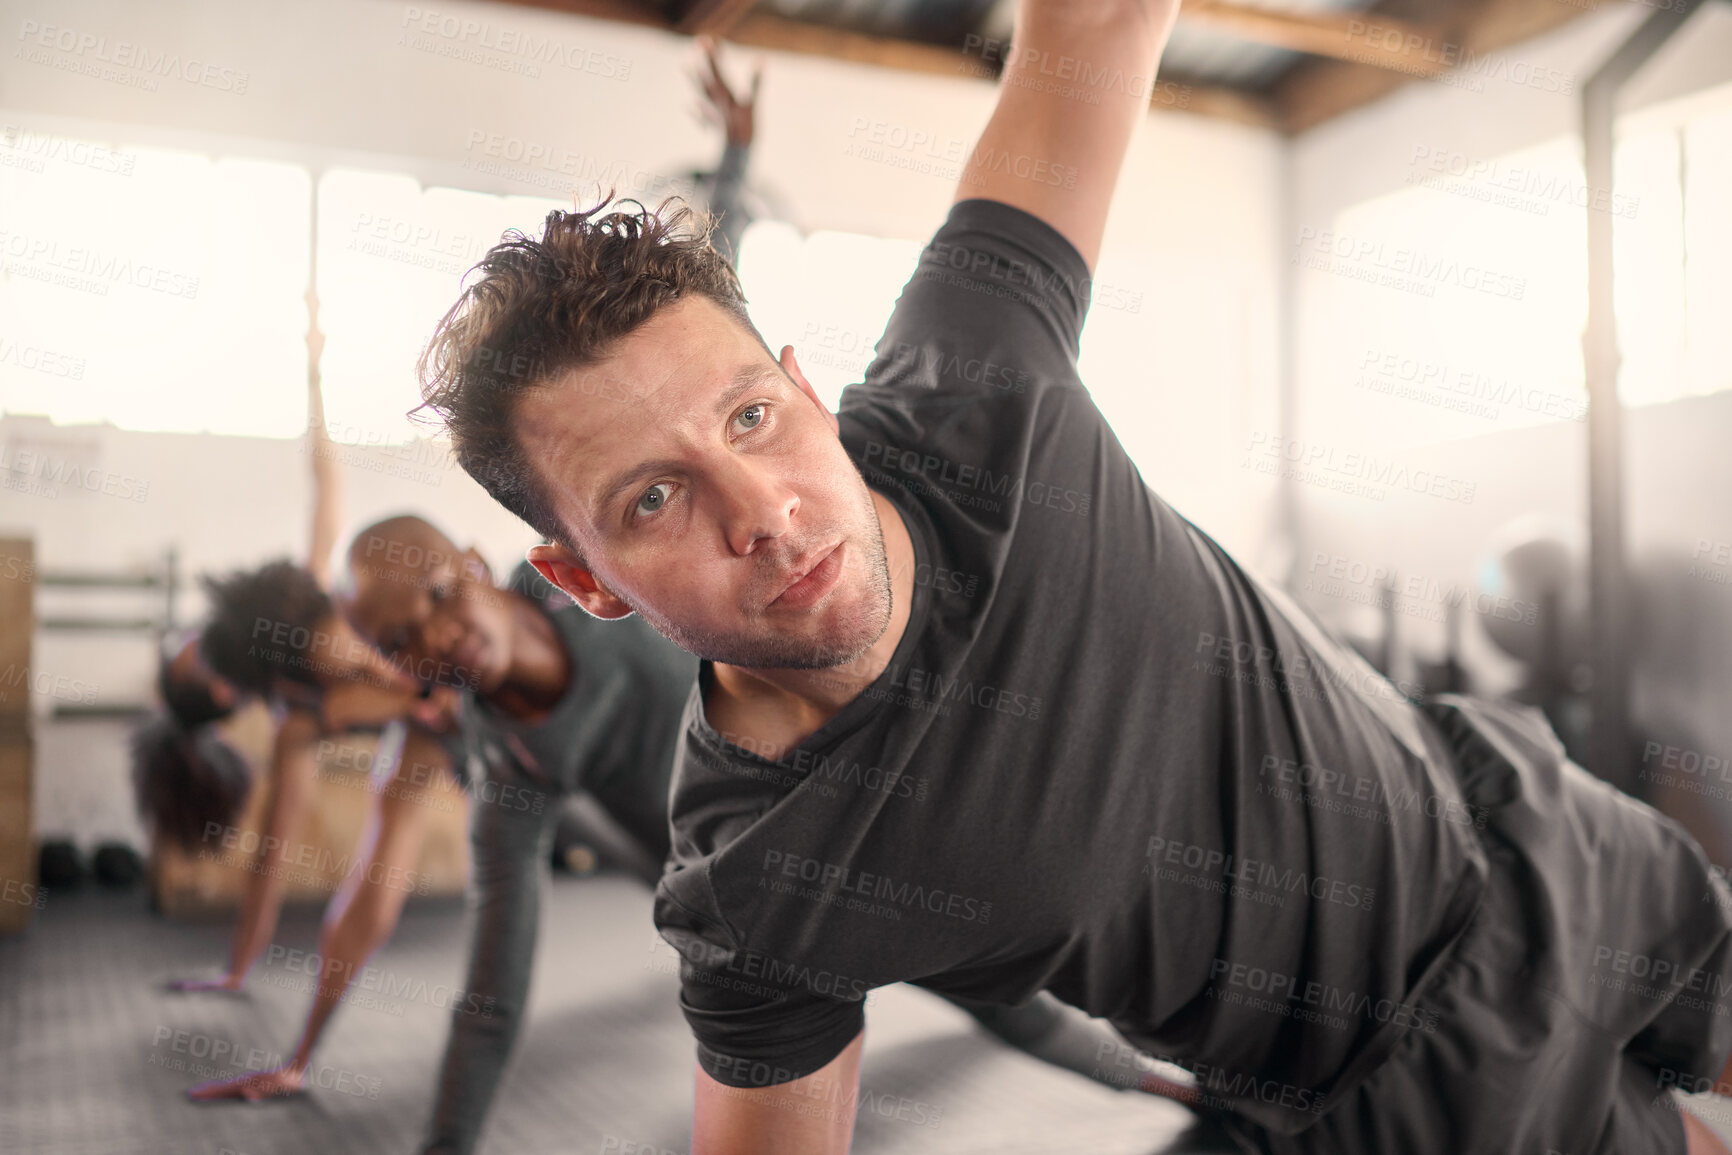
<point>252,1087</point>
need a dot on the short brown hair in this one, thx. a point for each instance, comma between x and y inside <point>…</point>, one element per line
<point>543,307</point>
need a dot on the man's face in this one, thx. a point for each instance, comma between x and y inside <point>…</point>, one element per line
<point>433,611</point>
<point>707,491</point>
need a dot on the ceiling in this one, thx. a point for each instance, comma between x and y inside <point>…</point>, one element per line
<point>1285,64</point>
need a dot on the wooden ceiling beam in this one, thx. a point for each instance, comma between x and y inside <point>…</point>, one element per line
<point>1468,36</point>
<point>767,31</point>
<point>778,34</point>
<point>774,33</point>
<point>1342,36</point>
<point>623,11</point>
<point>712,17</point>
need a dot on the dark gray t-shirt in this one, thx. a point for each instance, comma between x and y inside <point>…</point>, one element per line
<point>1103,762</point>
<point>613,732</point>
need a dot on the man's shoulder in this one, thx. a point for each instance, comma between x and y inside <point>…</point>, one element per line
<point>990,319</point>
<point>1007,257</point>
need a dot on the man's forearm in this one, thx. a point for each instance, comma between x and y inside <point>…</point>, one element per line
<point>779,1120</point>
<point>1135,24</point>
<point>1054,150</point>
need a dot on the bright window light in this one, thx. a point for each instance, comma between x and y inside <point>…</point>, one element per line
<point>392,256</point>
<point>829,295</point>
<point>1463,299</point>
<point>156,290</point>
<point>1708,252</point>
<point>1152,333</point>
<point>1648,267</point>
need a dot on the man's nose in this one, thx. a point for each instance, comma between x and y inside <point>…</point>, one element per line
<point>757,505</point>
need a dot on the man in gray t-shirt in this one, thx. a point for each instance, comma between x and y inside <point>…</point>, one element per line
<point>979,711</point>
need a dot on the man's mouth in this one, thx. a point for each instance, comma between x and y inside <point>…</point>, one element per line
<point>811,580</point>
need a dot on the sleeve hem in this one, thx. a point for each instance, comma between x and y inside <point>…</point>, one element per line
<point>736,1071</point>
<point>1065,258</point>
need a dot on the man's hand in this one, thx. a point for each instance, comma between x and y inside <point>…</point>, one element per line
<point>252,1087</point>
<point>724,108</point>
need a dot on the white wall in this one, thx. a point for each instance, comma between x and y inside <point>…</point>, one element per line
<point>1194,232</point>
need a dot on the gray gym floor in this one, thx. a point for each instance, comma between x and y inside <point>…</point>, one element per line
<point>95,1054</point>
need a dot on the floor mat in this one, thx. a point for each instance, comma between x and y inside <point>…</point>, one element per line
<point>96,1053</point>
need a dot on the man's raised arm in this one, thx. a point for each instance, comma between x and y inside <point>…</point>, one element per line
<point>1076,83</point>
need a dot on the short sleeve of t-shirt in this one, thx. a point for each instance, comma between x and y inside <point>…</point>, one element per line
<point>994,311</point>
<point>774,1034</point>
<point>759,1021</point>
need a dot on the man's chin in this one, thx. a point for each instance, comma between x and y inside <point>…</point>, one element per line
<point>835,636</point>
<point>823,650</point>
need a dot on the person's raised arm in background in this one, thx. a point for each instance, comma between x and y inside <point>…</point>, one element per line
<point>734,114</point>
<point>327,478</point>
<point>1032,134</point>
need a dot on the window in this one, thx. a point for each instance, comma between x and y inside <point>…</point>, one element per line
<point>1466,293</point>
<point>828,294</point>
<point>392,256</point>
<point>157,290</point>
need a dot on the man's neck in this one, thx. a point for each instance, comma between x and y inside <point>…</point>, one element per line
<point>541,669</point>
<point>778,708</point>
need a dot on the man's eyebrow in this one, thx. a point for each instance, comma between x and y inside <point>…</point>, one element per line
<point>743,382</point>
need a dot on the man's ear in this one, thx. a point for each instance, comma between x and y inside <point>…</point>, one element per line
<point>792,368</point>
<point>567,571</point>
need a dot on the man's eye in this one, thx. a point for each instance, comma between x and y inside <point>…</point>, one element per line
<point>750,418</point>
<point>654,498</point>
